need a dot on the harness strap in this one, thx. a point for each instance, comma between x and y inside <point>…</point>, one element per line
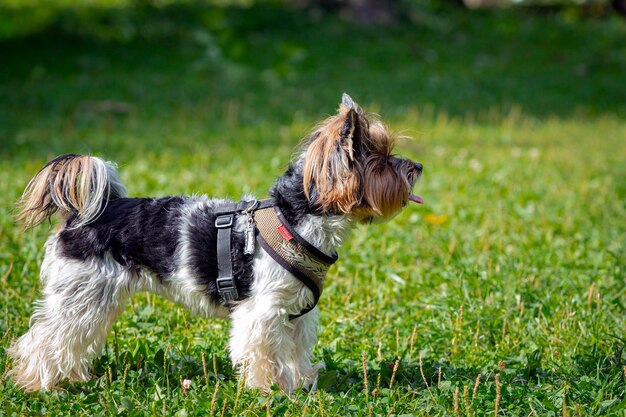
<point>291,251</point>
<point>279,239</point>
<point>311,285</point>
<point>225,282</point>
<point>318,254</point>
<point>242,206</point>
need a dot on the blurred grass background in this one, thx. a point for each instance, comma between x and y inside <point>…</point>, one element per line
<point>504,294</point>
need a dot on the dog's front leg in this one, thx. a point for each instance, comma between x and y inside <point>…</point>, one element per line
<point>262,344</point>
<point>305,336</point>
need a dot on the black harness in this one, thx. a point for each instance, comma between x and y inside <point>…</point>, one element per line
<point>267,225</point>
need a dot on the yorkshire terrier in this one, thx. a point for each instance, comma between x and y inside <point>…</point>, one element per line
<point>260,263</point>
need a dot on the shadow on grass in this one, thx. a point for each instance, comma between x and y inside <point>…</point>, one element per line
<point>220,68</point>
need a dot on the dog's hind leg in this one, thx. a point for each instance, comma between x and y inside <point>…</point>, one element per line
<point>81,300</point>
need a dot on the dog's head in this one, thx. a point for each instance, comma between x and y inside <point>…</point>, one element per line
<point>348,167</point>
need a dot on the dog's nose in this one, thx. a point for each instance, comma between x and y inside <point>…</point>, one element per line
<point>419,167</point>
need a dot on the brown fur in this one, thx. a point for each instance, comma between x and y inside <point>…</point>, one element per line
<point>385,190</point>
<point>349,162</point>
<point>62,185</point>
<point>330,163</point>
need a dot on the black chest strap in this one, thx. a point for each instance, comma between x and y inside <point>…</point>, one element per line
<point>226,216</point>
<point>225,282</point>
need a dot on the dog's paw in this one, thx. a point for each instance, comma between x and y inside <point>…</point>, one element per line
<point>310,384</point>
<point>320,366</point>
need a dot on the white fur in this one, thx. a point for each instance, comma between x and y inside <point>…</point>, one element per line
<point>104,183</point>
<point>81,300</point>
<point>265,344</point>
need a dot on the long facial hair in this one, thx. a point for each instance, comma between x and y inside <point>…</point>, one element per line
<point>349,168</point>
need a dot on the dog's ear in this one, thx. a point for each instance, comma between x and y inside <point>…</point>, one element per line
<point>347,101</point>
<point>351,133</point>
<point>355,125</point>
<point>332,176</point>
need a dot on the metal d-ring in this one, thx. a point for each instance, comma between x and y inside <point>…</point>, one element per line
<point>253,206</point>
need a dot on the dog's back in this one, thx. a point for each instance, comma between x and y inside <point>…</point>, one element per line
<point>136,232</point>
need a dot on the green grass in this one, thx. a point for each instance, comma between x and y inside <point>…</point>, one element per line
<point>512,274</point>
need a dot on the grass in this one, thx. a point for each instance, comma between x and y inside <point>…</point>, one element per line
<point>503,294</point>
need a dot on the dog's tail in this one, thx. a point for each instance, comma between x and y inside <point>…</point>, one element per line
<point>74,185</point>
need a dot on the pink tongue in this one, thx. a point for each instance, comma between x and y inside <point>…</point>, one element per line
<point>415,198</point>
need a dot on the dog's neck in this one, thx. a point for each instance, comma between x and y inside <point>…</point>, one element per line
<point>326,232</point>
<point>288,192</point>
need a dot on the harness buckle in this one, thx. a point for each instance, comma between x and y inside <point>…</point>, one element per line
<point>227,289</point>
<point>224,221</point>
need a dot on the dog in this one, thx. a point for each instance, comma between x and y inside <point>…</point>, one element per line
<point>260,263</point>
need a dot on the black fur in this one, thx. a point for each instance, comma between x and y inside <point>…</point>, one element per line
<point>137,232</point>
<point>145,234</point>
<point>288,192</point>
<point>203,251</point>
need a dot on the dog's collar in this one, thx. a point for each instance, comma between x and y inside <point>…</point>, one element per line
<point>279,239</point>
